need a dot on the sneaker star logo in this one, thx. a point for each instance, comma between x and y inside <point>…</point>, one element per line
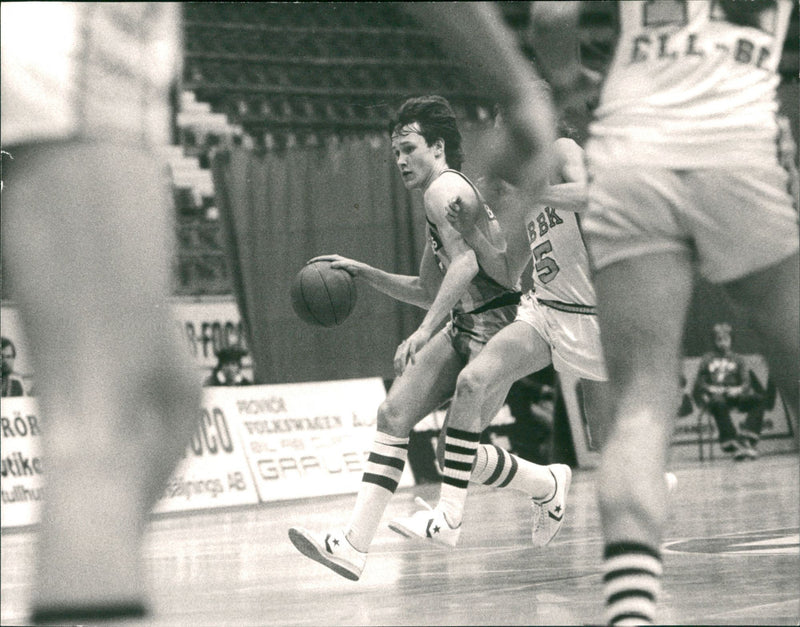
<point>330,540</point>
<point>556,514</point>
<point>431,528</point>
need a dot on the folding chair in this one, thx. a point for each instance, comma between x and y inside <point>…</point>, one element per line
<point>702,416</point>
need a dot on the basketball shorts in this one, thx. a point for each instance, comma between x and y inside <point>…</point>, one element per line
<point>469,332</point>
<point>88,71</point>
<point>731,222</point>
<point>574,338</point>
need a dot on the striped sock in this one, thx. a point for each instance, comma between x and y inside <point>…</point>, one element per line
<point>384,468</point>
<point>498,468</point>
<point>459,455</point>
<point>631,575</point>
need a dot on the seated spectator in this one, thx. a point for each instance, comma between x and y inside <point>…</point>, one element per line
<point>12,382</point>
<point>228,370</point>
<point>724,383</point>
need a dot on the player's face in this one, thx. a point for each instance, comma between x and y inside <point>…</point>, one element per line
<point>416,160</point>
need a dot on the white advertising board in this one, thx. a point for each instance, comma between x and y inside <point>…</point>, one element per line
<point>214,471</point>
<point>21,466</point>
<point>309,439</point>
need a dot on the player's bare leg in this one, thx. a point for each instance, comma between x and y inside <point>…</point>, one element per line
<point>772,296</point>
<point>422,387</point>
<point>642,305</point>
<point>87,241</point>
<point>514,352</point>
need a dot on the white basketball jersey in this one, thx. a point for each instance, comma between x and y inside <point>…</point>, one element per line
<point>560,261</point>
<point>86,70</point>
<point>690,88</point>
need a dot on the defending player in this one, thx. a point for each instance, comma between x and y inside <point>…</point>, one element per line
<point>685,178</point>
<point>86,241</point>
<point>556,323</point>
<point>427,148</point>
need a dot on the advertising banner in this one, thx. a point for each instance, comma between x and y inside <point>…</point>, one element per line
<point>214,471</point>
<point>584,439</point>
<point>691,424</point>
<point>207,324</point>
<point>308,439</point>
<point>21,465</point>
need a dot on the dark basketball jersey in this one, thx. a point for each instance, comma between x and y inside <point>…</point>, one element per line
<point>483,288</point>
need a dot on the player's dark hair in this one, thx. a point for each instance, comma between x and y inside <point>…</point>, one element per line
<point>436,120</point>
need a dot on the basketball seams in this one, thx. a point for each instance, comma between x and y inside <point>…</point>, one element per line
<point>322,295</point>
<point>311,311</point>
<point>341,309</point>
<point>331,303</point>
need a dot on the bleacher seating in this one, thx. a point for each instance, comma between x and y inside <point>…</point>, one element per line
<point>315,67</point>
<point>281,74</point>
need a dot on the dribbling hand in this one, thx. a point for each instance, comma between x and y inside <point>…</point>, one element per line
<point>351,266</point>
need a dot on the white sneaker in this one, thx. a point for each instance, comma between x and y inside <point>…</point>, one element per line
<point>332,550</point>
<point>548,516</point>
<point>427,524</point>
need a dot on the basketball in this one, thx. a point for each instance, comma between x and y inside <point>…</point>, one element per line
<point>322,295</point>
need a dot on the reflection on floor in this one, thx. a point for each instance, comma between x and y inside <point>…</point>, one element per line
<point>731,556</point>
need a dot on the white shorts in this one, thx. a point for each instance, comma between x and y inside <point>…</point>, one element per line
<point>574,338</point>
<point>86,71</point>
<point>732,222</point>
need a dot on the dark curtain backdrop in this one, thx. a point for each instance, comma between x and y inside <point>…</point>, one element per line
<point>280,209</point>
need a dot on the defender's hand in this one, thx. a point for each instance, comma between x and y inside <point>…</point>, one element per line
<point>463,219</point>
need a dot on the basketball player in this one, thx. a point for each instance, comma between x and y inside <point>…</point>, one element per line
<point>427,149</point>
<point>685,177</point>
<point>555,323</point>
<point>86,242</point>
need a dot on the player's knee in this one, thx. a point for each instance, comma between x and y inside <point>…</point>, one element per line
<point>471,383</point>
<point>392,420</point>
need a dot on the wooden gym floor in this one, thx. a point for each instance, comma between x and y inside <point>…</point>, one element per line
<point>731,556</point>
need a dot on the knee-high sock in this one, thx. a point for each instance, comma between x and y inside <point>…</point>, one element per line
<point>384,469</point>
<point>459,455</point>
<point>497,467</point>
<point>631,576</point>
